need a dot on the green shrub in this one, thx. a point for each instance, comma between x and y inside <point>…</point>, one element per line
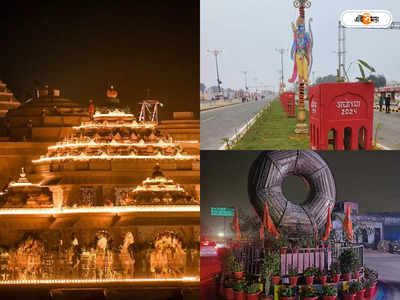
<point>252,288</point>
<point>335,268</point>
<point>309,292</point>
<point>329,290</point>
<point>309,272</point>
<point>238,285</point>
<point>348,261</point>
<point>287,292</point>
<point>237,267</point>
<point>293,272</point>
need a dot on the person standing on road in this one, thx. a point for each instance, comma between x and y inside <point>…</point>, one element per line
<point>387,104</point>
<point>381,100</point>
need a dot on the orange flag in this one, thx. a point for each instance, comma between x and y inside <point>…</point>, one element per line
<point>236,224</point>
<point>328,225</point>
<point>347,225</point>
<point>268,222</point>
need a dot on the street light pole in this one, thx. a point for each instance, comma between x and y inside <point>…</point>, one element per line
<point>245,80</point>
<point>216,53</point>
<point>281,52</point>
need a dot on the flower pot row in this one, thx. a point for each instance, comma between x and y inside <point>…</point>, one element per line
<point>230,294</point>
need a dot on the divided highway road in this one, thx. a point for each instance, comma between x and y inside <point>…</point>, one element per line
<point>220,123</point>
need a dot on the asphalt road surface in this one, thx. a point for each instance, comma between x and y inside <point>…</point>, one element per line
<point>388,267</point>
<point>389,132</point>
<point>222,122</point>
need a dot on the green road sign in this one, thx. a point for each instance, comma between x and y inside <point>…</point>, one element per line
<point>222,211</point>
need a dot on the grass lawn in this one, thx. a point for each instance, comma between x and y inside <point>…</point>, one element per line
<point>273,130</point>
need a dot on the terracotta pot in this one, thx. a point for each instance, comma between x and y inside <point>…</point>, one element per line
<point>357,275</point>
<point>283,251</point>
<point>222,291</point>
<point>310,298</point>
<point>238,275</point>
<point>239,295</point>
<point>293,280</point>
<point>252,296</point>
<point>263,297</point>
<point>275,280</point>
<point>323,279</point>
<point>369,292</point>
<point>360,295</point>
<point>229,295</point>
<point>287,298</point>
<point>309,280</point>
<point>328,297</point>
<point>346,276</point>
<point>349,297</point>
<point>335,278</point>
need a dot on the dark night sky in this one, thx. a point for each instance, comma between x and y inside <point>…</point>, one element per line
<point>83,46</point>
<point>370,178</point>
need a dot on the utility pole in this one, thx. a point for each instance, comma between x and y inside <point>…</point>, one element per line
<point>282,84</point>
<point>216,53</point>
<point>245,80</point>
<point>341,50</point>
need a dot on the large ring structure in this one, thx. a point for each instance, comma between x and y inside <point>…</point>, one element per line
<point>266,177</point>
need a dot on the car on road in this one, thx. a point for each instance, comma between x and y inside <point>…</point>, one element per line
<point>394,247</point>
<point>208,248</point>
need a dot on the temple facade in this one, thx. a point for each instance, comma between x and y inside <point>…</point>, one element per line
<point>114,200</point>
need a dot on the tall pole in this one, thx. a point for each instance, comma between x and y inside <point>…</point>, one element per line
<point>245,80</point>
<point>216,53</point>
<point>282,85</point>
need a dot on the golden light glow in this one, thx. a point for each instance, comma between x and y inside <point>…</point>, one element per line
<point>114,113</point>
<point>165,188</point>
<point>101,209</point>
<point>113,143</point>
<point>134,125</point>
<point>22,184</point>
<point>97,281</point>
<point>105,156</point>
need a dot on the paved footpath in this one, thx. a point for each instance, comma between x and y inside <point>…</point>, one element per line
<point>222,122</point>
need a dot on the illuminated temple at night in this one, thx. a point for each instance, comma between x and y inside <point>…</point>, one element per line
<point>99,195</point>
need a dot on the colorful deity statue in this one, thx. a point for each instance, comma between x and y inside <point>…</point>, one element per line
<point>301,52</point>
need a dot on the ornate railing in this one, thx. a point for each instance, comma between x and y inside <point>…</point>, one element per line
<point>250,254</point>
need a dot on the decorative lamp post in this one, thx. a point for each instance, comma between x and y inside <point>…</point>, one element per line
<point>301,54</point>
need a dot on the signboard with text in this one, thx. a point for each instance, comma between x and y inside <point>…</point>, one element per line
<point>222,211</point>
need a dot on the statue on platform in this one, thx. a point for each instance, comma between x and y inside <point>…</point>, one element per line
<point>104,259</point>
<point>91,109</point>
<point>301,52</point>
<point>126,255</point>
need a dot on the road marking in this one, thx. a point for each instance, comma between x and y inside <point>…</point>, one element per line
<point>208,119</point>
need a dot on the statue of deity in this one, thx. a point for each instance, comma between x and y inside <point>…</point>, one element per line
<point>301,52</point>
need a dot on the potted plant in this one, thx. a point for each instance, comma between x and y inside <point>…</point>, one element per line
<point>238,290</point>
<point>308,293</point>
<point>360,290</point>
<point>335,272</point>
<point>237,269</point>
<point>369,289</point>
<point>322,276</point>
<point>293,276</point>
<point>270,270</point>
<point>228,290</point>
<point>350,292</point>
<point>287,293</point>
<point>252,291</point>
<point>356,270</point>
<point>309,274</point>
<point>284,250</point>
<point>348,262</point>
<point>329,292</point>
